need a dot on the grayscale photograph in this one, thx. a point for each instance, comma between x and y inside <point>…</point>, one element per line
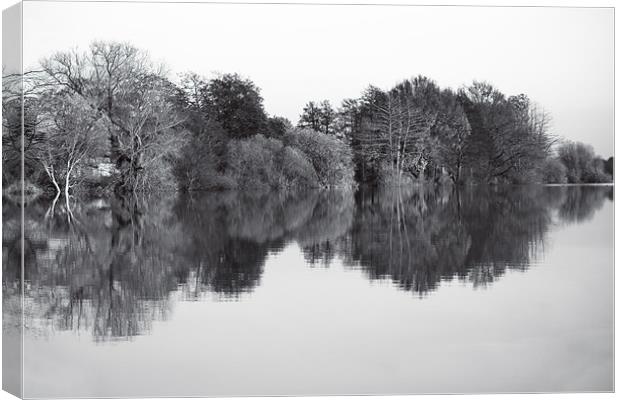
<point>227,199</point>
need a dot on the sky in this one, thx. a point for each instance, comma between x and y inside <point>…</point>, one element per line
<point>562,58</point>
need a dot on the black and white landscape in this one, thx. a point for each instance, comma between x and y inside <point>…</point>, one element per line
<point>238,199</point>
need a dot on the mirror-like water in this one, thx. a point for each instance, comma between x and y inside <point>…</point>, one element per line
<point>412,291</point>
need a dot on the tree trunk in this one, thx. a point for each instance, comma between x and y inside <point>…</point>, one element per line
<point>67,181</point>
<point>50,172</point>
<point>56,185</point>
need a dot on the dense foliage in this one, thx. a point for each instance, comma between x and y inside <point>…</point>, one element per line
<point>582,165</point>
<point>331,158</point>
<point>110,118</point>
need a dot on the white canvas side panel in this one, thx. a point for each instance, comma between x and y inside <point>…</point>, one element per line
<point>12,257</point>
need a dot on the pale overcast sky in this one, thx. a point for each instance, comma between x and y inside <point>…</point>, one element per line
<point>561,57</point>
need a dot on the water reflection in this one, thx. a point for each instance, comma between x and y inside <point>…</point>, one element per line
<point>583,203</point>
<point>111,266</point>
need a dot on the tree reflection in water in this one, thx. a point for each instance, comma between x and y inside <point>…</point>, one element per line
<point>112,266</point>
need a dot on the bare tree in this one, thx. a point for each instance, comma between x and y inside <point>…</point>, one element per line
<point>21,121</point>
<point>73,134</point>
<point>400,126</point>
<point>451,133</point>
<point>133,96</point>
<point>509,139</point>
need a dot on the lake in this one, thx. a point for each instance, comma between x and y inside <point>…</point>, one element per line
<point>423,290</point>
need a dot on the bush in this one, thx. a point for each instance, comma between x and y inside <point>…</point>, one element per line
<point>554,171</point>
<point>251,162</point>
<point>297,170</point>
<point>200,163</point>
<point>331,158</point>
<point>595,175</point>
<point>582,165</point>
<point>388,177</point>
<point>266,163</point>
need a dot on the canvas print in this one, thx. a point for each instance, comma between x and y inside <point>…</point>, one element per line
<point>206,199</point>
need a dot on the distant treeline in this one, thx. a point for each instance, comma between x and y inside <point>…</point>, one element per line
<point>111,118</point>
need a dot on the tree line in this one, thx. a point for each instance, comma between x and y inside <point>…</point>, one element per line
<point>111,118</point>
<point>417,131</point>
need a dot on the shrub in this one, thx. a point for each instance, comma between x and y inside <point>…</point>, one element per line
<point>388,177</point>
<point>266,163</point>
<point>595,175</point>
<point>200,163</point>
<point>554,171</point>
<point>296,169</point>
<point>582,166</point>
<point>331,158</point>
<point>251,162</point>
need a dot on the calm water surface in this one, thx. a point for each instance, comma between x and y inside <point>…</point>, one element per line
<point>505,289</point>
